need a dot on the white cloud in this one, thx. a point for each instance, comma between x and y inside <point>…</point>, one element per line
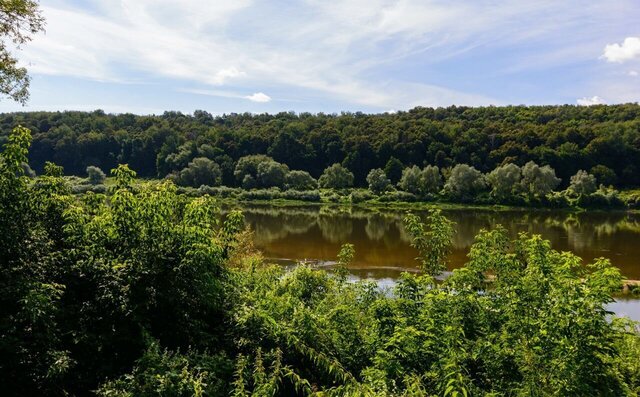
<point>633,73</point>
<point>312,48</point>
<point>259,97</point>
<point>594,100</point>
<point>629,49</point>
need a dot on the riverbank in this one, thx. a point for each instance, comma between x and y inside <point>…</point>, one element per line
<point>611,201</point>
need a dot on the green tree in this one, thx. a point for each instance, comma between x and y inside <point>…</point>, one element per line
<point>95,175</point>
<point>248,165</point>
<point>300,180</point>
<point>421,182</point>
<point>393,169</point>
<point>410,180</point>
<point>200,171</point>
<point>430,180</point>
<point>504,181</point>
<point>271,174</point>
<point>583,183</point>
<point>336,177</point>
<point>378,181</point>
<point>538,181</point>
<point>19,21</point>
<point>604,175</point>
<point>464,182</point>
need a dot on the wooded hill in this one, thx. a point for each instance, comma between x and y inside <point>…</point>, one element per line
<point>568,138</point>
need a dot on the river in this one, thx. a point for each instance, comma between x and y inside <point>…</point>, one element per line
<point>289,234</point>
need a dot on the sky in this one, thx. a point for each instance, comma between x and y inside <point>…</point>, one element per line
<point>149,56</point>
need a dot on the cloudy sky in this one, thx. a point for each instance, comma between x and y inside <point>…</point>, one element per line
<point>148,56</point>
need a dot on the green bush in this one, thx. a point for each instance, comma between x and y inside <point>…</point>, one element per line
<point>398,196</point>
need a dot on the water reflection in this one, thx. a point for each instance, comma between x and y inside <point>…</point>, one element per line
<point>316,233</point>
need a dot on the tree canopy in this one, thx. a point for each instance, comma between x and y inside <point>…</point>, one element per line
<point>19,21</point>
<point>566,138</point>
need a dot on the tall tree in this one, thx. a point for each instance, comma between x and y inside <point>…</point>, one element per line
<point>19,20</point>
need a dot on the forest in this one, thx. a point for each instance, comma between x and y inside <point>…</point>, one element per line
<point>148,292</point>
<point>601,140</point>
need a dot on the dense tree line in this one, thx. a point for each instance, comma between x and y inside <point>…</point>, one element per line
<point>602,140</point>
<point>146,292</point>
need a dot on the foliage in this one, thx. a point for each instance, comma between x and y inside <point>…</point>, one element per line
<point>604,175</point>
<point>336,177</point>
<point>248,167</point>
<point>19,20</point>
<point>583,183</point>
<point>421,182</point>
<point>567,138</point>
<point>95,175</point>
<point>300,180</point>
<point>504,181</point>
<point>393,169</point>
<point>432,242</point>
<point>200,171</point>
<point>378,181</point>
<point>538,181</point>
<point>150,293</point>
<point>271,174</point>
<point>464,182</point>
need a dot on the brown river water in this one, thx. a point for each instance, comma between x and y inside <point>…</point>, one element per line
<point>288,235</point>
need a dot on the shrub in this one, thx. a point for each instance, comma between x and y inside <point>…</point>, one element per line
<point>582,183</point>
<point>336,177</point>
<point>604,175</point>
<point>464,183</point>
<point>378,181</point>
<point>398,196</point>
<point>504,181</point>
<point>301,195</point>
<point>300,180</point>
<point>538,181</point>
<point>359,196</point>
<point>95,175</point>
<point>200,171</point>
<point>393,169</point>
<point>271,174</point>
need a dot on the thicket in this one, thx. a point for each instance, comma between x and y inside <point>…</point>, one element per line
<point>146,292</point>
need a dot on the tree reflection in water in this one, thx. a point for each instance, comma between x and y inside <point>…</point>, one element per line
<point>316,232</point>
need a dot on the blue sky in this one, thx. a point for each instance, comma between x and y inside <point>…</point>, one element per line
<point>148,56</point>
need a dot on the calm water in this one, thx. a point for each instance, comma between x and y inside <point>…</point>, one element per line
<point>313,233</point>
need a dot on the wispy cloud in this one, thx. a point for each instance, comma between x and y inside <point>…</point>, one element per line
<point>351,52</point>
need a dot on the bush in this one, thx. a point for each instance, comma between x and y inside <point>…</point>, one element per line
<point>604,175</point>
<point>219,191</point>
<point>261,194</point>
<point>305,195</point>
<point>582,183</point>
<point>95,175</point>
<point>378,181</point>
<point>271,174</point>
<point>464,183</point>
<point>336,177</point>
<point>601,198</point>
<point>200,171</point>
<point>398,196</point>
<point>359,196</point>
<point>538,181</point>
<point>300,180</point>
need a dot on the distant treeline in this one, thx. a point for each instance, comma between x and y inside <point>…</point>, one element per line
<point>603,140</point>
